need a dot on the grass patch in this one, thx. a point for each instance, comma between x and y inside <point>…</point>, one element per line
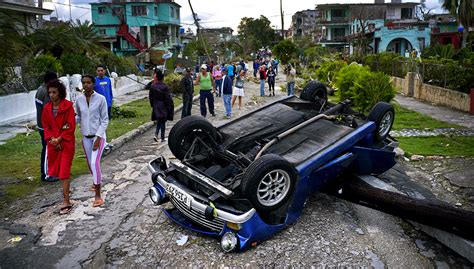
<point>408,119</point>
<point>438,145</point>
<point>19,168</point>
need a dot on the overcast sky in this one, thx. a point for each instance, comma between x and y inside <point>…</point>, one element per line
<point>217,13</point>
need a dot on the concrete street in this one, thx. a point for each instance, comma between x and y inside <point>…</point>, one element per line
<point>131,232</point>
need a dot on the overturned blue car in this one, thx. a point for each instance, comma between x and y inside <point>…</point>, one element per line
<point>246,180</point>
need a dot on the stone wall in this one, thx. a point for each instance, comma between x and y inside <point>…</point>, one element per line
<point>21,106</point>
<point>438,95</point>
<point>413,86</point>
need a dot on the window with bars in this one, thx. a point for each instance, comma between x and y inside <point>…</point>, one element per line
<point>139,11</point>
<point>101,10</point>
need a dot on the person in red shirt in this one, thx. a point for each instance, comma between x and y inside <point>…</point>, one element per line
<point>59,124</point>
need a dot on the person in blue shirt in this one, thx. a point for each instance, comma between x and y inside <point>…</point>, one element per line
<point>230,71</point>
<point>103,86</point>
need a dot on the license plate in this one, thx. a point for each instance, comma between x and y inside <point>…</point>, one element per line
<point>178,194</point>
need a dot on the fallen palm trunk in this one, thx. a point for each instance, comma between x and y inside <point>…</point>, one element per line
<point>430,212</point>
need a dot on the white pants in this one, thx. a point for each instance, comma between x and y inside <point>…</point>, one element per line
<point>93,157</point>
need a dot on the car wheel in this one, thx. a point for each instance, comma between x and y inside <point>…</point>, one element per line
<point>269,182</point>
<point>383,115</point>
<point>183,133</point>
<point>313,91</point>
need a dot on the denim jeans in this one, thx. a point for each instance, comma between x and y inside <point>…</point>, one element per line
<point>160,126</point>
<point>290,87</point>
<point>203,95</point>
<point>262,87</point>
<point>227,104</point>
<point>218,83</point>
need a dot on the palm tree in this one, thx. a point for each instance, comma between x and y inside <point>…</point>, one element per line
<point>464,12</point>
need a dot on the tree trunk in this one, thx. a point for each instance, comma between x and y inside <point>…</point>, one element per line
<point>433,213</point>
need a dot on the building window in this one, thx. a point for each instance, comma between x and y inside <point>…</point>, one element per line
<point>155,11</point>
<point>101,10</point>
<point>337,13</point>
<point>421,42</point>
<point>406,13</point>
<point>177,14</point>
<point>102,32</point>
<point>118,10</point>
<point>139,11</point>
<point>339,32</point>
<point>171,12</point>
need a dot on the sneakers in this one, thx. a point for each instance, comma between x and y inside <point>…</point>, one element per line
<point>213,115</point>
<point>50,179</point>
<point>164,140</point>
<point>108,146</point>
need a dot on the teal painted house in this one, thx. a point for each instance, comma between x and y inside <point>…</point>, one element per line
<point>129,27</point>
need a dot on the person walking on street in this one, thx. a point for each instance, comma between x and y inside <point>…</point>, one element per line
<point>256,65</point>
<point>187,87</point>
<point>217,75</point>
<point>263,76</point>
<point>206,82</point>
<point>103,86</point>
<point>271,81</point>
<point>231,71</point>
<point>238,91</point>
<point>59,126</point>
<point>41,99</point>
<point>290,79</point>
<point>227,93</point>
<point>161,103</point>
<point>91,109</point>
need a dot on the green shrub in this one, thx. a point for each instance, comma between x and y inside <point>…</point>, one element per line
<point>346,77</point>
<point>371,89</point>
<point>121,65</point>
<point>44,63</point>
<point>174,83</point>
<point>76,63</point>
<point>329,70</point>
<point>447,73</point>
<point>119,112</point>
<point>387,62</point>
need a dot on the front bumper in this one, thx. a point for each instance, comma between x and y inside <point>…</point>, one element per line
<point>196,210</point>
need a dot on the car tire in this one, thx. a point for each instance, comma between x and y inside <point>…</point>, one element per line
<point>383,115</point>
<point>269,182</point>
<point>185,131</point>
<point>313,91</point>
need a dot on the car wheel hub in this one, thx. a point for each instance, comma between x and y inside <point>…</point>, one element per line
<point>273,188</point>
<point>385,123</point>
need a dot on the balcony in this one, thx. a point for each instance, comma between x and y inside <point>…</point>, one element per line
<point>335,20</point>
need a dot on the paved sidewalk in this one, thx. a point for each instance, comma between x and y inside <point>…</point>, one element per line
<point>438,112</point>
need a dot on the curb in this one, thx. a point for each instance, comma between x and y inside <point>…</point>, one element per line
<point>121,140</point>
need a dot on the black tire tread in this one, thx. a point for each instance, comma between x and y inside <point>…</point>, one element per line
<point>184,126</point>
<point>310,90</point>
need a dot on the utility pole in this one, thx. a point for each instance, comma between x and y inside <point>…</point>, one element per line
<point>196,22</point>
<point>40,17</point>
<point>282,20</point>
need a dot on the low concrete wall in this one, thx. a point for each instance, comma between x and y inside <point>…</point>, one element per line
<point>438,95</point>
<point>429,93</point>
<point>400,86</point>
<point>21,106</point>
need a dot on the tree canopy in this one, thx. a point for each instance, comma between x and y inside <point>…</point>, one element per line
<point>285,50</point>
<point>256,33</point>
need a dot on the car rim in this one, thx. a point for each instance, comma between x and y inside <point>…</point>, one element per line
<point>385,124</point>
<point>273,187</point>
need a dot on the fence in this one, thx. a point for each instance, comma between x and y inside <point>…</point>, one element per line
<point>450,76</point>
